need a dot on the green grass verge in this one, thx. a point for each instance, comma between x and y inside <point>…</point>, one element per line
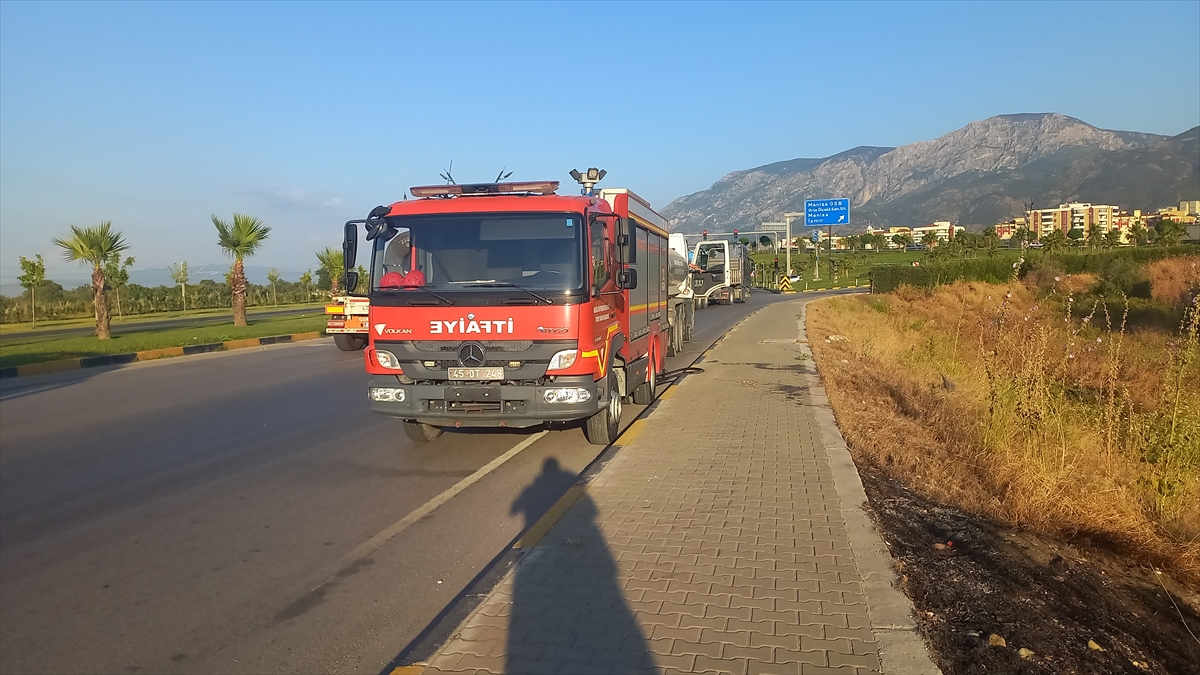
<point>36,349</point>
<point>133,319</point>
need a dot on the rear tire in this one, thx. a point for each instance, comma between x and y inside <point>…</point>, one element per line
<point>604,427</point>
<point>348,342</point>
<point>675,337</point>
<point>421,432</point>
<point>644,394</point>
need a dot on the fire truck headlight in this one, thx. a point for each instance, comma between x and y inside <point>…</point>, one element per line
<point>386,394</point>
<point>567,395</point>
<point>387,359</point>
<point>564,359</point>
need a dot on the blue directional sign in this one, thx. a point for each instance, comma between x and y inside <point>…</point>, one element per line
<point>826,212</point>
<point>816,236</point>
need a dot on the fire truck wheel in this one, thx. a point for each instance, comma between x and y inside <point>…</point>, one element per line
<point>604,427</point>
<point>349,343</point>
<point>644,394</point>
<point>421,432</point>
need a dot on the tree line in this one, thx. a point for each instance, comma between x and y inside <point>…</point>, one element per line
<point>102,248</point>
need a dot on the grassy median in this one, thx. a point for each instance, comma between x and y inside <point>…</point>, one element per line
<point>19,351</point>
<point>135,319</point>
<point>1037,403</point>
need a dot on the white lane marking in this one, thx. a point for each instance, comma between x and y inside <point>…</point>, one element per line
<point>371,545</point>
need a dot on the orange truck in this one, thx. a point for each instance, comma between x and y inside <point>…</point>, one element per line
<point>347,322</point>
<point>509,305</point>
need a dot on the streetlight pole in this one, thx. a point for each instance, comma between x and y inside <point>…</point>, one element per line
<point>787,219</point>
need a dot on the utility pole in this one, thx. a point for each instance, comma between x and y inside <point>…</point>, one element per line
<point>787,219</point>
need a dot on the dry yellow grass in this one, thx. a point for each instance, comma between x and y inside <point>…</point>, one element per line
<point>989,399</point>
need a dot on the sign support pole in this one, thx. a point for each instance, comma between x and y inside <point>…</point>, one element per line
<point>787,265</point>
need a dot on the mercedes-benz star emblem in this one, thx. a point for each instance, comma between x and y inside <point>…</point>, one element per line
<point>470,355</point>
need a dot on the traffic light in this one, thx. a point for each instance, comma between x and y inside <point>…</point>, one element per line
<point>706,235</point>
<point>777,263</point>
<point>735,233</point>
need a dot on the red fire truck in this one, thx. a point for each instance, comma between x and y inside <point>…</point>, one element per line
<point>508,305</point>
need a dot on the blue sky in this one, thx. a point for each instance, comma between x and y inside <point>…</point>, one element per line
<point>156,115</point>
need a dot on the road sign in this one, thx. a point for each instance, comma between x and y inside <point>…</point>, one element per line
<point>816,236</point>
<point>826,212</point>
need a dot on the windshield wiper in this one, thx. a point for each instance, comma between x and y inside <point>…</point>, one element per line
<point>504,284</point>
<point>422,288</point>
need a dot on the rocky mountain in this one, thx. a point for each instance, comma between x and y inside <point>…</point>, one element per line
<point>976,176</point>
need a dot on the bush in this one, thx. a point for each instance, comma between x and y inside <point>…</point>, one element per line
<point>1120,265</point>
<point>886,278</point>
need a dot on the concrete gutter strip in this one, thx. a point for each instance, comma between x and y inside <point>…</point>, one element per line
<point>902,651</point>
<point>150,355</point>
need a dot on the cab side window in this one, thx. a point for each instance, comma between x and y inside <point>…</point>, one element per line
<point>599,256</point>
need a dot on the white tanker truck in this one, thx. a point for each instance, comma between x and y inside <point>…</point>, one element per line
<point>681,304</point>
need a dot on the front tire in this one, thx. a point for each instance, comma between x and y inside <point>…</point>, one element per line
<point>348,342</point>
<point>422,433</point>
<point>604,427</point>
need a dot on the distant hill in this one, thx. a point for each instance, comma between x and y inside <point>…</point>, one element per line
<point>976,176</point>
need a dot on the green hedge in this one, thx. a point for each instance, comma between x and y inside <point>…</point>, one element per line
<point>996,270</point>
<point>999,269</point>
<point>1097,262</point>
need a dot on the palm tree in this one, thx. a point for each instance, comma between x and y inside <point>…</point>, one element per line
<point>240,240</point>
<point>332,262</point>
<point>95,245</point>
<point>1054,241</point>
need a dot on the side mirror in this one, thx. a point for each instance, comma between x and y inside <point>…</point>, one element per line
<point>350,245</point>
<point>702,260</point>
<point>350,281</point>
<point>627,279</point>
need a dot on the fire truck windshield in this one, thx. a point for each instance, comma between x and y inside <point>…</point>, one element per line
<point>474,252</point>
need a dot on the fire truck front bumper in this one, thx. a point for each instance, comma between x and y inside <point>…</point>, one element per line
<point>485,404</point>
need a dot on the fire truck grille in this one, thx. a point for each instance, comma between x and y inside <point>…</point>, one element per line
<point>488,345</point>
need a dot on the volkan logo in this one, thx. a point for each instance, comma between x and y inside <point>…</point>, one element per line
<point>381,329</point>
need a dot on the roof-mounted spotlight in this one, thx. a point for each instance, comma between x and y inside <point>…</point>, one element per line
<point>588,180</point>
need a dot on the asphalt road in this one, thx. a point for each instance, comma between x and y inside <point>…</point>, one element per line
<point>231,513</point>
<point>120,328</point>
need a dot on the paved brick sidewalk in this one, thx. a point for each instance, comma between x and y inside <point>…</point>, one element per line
<point>713,541</point>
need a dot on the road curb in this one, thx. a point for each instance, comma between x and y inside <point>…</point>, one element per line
<point>902,650</point>
<point>61,365</point>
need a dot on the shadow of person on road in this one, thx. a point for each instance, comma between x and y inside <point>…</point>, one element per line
<point>568,612</point>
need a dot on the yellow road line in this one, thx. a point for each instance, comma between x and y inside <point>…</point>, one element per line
<point>410,669</point>
<point>543,525</point>
<point>631,433</point>
<point>667,394</point>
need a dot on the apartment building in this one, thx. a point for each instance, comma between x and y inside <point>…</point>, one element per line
<point>943,229</point>
<point>1073,216</point>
